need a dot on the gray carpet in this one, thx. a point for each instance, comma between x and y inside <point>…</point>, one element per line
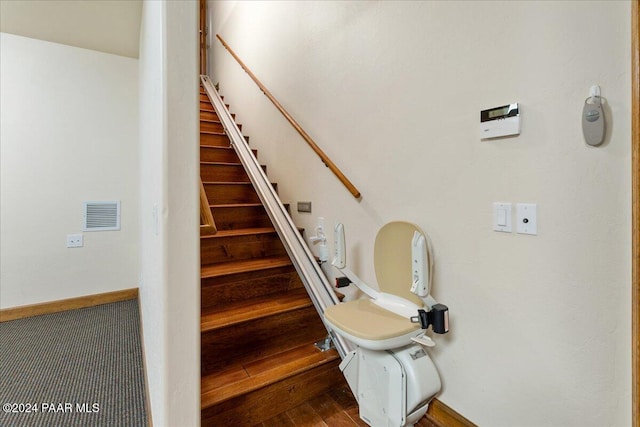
<point>76,368</point>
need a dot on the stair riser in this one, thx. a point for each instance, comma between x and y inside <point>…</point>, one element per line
<point>218,291</point>
<point>206,126</point>
<point>220,154</point>
<point>221,194</point>
<point>203,97</point>
<point>224,173</point>
<point>214,140</point>
<point>206,105</point>
<point>242,343</point>
<point>260,405</point>
<point>240,217</point>
<point>208,115</point>
<point>238,248</point>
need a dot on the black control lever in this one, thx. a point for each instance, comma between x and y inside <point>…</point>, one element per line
<point>438,317</point>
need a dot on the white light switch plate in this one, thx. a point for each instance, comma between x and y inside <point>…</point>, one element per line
<point>502,217</point>
<point>526,218</point>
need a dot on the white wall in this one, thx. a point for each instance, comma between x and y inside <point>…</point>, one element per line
<point>540,325</point>
<point>69,134</point>
<point>169,289</point>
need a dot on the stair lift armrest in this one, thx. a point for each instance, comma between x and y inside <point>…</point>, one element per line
<point>372,293</point>
<point>395,304</point>
<point>429,301</point>
<point>436,315</point>
<point>398,305</point>
<point>339,262</point>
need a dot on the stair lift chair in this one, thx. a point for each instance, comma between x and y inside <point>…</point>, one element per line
<point>390,374</point>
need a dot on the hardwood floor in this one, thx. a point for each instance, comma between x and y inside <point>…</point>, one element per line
<point>336,408</point>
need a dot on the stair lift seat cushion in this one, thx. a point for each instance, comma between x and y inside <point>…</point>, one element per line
<point>370,326</point>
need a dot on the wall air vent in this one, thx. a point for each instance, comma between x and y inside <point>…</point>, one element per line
<point>101,216</point>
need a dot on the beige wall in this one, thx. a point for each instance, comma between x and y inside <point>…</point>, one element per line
<point>540,325</point>
<point>69,134</point>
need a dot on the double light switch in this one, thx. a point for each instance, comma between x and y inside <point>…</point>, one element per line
<point>526,218</point>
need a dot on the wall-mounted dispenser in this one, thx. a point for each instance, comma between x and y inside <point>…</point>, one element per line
<point>321,239</point>
<point>594,125</point>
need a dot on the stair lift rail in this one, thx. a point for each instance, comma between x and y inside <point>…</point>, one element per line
<point>315,282</point>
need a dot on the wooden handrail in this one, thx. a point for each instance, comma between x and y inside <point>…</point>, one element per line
<point>207,224</point>
<point>635,210</point>
<point>325,159</point>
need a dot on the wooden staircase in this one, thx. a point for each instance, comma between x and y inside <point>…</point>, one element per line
<point>258,324</point>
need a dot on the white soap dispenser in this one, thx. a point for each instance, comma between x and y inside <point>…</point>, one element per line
<point>321,240</point>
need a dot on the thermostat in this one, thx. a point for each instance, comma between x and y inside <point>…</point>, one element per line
<point>500,121</point>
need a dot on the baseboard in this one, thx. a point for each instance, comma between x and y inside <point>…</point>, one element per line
<point>21,312</point>
<point>442,415</point>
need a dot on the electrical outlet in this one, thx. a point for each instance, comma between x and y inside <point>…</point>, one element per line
<point>74,241</point>
<point>304,207</point>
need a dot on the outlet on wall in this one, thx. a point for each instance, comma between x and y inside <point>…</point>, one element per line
<point>304,207</point>
<point>74,241</point>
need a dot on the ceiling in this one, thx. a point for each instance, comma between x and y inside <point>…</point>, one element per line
<point>111,26</point>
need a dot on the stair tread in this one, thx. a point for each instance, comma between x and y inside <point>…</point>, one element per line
<point>227,268</point>
<point>244,311</point>
<point>218,387</point>
<point>243,232</point>
<point>240,232</point>
<point>209,102</point>
<point>218,147</point>
<point>211,132</point>
<point>235,205</point>
<point>215,146</point>
<point>221,147</point>
<point>225,183</point>
<point>204,145</point>
<point>210,121</point>
<point>221,163</point>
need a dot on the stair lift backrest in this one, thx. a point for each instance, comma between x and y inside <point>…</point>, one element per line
<point>392,259</point>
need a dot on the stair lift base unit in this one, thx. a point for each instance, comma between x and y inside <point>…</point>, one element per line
<point>394,387</point>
